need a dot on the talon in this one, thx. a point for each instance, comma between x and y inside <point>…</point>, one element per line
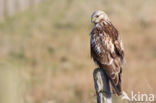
<point>100,91</point>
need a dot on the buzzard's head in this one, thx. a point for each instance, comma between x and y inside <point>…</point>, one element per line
<point>99,16</point>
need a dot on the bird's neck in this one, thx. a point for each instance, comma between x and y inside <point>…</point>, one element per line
<point>102,24</point>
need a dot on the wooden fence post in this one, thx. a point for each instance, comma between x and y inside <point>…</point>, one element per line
<point>101,83</point>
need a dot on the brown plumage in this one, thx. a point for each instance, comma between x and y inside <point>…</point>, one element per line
<point>106,49</point>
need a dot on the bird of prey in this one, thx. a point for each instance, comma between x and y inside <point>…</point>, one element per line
<point>107,49</point>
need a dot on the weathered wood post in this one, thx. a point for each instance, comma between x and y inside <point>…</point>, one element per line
<point>101,83</point>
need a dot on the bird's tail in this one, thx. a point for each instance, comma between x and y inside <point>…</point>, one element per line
<point>117,88</point>
<point>114,75</point>
<point>116,84</point>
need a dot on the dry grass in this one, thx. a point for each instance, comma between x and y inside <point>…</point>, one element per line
<point>49,47</point>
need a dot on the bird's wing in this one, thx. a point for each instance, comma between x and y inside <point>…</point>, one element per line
<point>101,47</point>
<point>119,48</point>
<point>116,39</point>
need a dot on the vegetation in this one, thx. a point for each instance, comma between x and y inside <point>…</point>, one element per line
<point>46,49</point>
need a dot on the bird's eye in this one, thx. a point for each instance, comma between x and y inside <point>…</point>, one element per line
<point>97,16</point>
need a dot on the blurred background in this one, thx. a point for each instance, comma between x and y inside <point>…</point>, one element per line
<point>45,55</point>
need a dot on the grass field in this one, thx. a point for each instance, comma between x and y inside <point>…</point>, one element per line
<point>45,55</point>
